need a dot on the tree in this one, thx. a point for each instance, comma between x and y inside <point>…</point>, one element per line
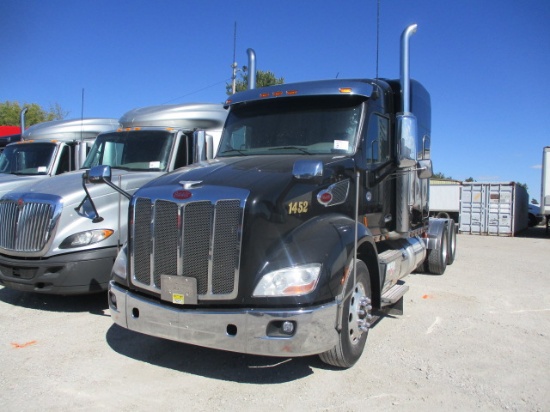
<point>263,79</point>
<point>523,185</point>
<point>10,113</point>
<point>441,176</point>
<point>470,179</point>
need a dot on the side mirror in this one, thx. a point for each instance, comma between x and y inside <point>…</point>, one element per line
<point>98,174</point>
<point>101,174</point>
<point>406,133</point>
<point>425,169</point>
<point>307,169</point>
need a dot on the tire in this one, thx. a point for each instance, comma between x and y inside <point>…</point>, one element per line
<point>437,258</point>
<point>356,310</point>
<point>532,220</point>
<point>452,243</point>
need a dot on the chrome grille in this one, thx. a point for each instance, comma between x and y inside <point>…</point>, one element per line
<point>26,227</point>
<point>199,239</point>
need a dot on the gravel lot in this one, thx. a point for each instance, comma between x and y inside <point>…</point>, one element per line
<point>476,338</point>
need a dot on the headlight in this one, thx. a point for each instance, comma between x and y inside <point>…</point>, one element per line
<point>119,267</point>
<point>294,281</point>
<point>86,238</point>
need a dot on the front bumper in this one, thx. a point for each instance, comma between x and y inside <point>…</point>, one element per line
<point>236,330</point>
<point>70,274</point>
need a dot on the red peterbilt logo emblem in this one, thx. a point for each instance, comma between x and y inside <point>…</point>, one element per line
<point>182,194</point>
<point>20,204</point>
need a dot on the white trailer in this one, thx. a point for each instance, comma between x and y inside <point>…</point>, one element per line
<point>445,198</point>
<point>545,185</point>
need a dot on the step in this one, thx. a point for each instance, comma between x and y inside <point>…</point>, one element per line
<point>393,295</point>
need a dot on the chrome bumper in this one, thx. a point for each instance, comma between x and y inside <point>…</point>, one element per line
<point>236,330</point>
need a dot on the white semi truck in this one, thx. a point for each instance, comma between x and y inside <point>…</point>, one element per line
<point>48,149</point>
<point>59,237</point>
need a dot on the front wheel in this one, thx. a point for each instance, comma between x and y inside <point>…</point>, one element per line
<point>355,321</point>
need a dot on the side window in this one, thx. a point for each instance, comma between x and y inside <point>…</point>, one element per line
<point>64,161</point>
<point>378,145</point>
<point>183,153</point>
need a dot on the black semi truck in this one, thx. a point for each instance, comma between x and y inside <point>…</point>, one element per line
<point>294,239</point>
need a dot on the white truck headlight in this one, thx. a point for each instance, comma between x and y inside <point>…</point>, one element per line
<point>292,281</point>
<point>119,267</point>
<point>86,238</point>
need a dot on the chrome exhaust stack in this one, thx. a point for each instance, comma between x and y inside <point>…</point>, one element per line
<point>22,119</point>
<point>251,69</point>
<point>405,66</point>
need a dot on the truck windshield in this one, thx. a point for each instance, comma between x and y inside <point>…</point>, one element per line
<point>306,125</point>
<point>27,158</point>
<point>137,150</point>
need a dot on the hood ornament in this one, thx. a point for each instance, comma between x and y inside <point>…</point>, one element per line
<point>190,184</point>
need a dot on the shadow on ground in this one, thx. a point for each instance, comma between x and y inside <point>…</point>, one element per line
<point>95,303</point>
<point>215,364</point>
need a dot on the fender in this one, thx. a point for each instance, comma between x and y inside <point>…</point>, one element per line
<point>435,229</point>
<point>327,239</point>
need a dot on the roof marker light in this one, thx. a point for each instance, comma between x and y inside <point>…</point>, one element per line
<point>346,90</point>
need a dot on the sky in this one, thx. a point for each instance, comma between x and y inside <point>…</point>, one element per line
<point>486,63</point>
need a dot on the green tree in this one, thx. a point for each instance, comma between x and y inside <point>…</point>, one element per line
<point>441,176</point>
<point>523,185</point>
<point>263,79</point>
<point>10,113</point>
<point>470,179</point>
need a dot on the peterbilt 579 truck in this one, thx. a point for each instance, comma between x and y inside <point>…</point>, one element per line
<point>294,240</point>
<point>60,237</point>
<point>48,149</point>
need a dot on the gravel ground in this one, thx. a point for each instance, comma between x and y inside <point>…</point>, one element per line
<point>476,338</point>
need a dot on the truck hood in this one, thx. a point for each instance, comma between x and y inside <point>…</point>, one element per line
<point>9,182</point>
<point>68,186</point>
<point>74,216</point>
<point>258,174</point>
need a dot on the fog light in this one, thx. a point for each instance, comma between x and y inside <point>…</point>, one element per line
<point>288,327</point>
<point>112,299</point>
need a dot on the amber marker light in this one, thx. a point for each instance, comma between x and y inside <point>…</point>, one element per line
<point>262,95</point>
<point>277,94</point>
<point>346,90</point>
<point>291,92</point>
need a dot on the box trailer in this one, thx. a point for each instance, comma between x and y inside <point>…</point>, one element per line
<point>445,198</point>
<point>545,185</point>
<point>499,209</point>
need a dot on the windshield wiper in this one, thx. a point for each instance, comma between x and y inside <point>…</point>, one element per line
<point>301,149</point>
<point>233,150</point>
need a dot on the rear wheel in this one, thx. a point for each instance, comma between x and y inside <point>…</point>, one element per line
<point>452,243</point>
<point>437,258</point>
<point>355,321</point>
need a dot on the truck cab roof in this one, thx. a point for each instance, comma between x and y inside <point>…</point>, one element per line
<point>68,130</point>
<point>188,116</point>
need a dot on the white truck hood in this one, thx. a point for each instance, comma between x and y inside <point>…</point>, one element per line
<point>9,182</point>
<point>111,206</point>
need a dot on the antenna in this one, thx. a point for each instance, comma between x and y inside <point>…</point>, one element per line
<point>82,116</point>
<point>377,35</point>
<point>234,65</point>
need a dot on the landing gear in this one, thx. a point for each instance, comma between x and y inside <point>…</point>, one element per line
<point>355,320</point>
